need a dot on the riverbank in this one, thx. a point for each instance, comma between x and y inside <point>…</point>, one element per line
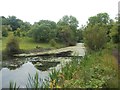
<point>71,51</point>
<point>96,70</point>
<point>27,45</point>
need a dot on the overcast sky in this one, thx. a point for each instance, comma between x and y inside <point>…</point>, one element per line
<point>35,10</point>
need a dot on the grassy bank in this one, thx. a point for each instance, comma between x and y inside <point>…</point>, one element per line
<point>27,43</point>
<point>96,70</point>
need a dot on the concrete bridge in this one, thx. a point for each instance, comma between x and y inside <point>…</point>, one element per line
<point>78,50</point>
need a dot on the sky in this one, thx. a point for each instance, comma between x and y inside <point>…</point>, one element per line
<point>35,10</point>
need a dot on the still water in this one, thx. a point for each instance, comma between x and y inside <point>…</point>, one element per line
<point>19,71</point>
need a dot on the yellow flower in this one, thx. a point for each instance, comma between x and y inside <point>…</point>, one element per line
<point>51,85</point>
<point>53,82</point>
<point>58,86</point>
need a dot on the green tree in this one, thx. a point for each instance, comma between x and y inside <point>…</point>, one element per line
<point>43,31</point>
<point>25,26</point>
<point>17,32</point>
<point>14,22</point>
<point>67,30</point>
<point>4,20</point>
<point>69,20</point>
<point>95,37</point>
<point>5,29</point>
<point>101,18</point>
<point>66,36</point>
<point>114,33</point>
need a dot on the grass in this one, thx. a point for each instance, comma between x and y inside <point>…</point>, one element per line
<point>97,70</point>
<point>12,86</point>
<point>27,43</point>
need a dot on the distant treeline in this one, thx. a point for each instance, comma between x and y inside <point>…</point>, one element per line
<point>99,29</point>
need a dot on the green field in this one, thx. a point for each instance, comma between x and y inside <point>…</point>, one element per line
<point>27,43</point>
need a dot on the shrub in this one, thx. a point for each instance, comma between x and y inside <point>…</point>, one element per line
<point>4,31</point>
<point>12,46</point>
<point>95,37</point>
<point>53,43</point>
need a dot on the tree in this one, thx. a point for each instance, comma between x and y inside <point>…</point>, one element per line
<point>79,35</point>
<point>69,20</point>
<point>25,26</point>
<point>4,20</point>
<point>95,37</point>
<point>5,29</point>
<point>17,32</point>
<point>66,36</point>
<point>14,22</point>
<point>43,31</point>
<point>114,33</point>
<point>67,29</point>
<point>101,18</point>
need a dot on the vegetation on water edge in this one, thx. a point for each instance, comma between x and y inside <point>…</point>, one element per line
<point>96,70</point>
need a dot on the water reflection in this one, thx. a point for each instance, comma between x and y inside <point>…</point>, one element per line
<point>31,66</point>
<point>20,75</point>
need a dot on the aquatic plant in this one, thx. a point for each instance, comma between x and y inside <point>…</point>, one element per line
<point>34,82</point>
<point>13,86</point>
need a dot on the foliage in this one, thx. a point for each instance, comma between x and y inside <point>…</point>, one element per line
<point>13,86</point>
<point>79,35</point>
<point>4,20</point>
<point>67,27</point>
<point>5,29</point>
<point>14,22</point>
<point>4,32</point>
<point>70,21</point>
<point>66,36</point>
<point>54,77</point>
<point>100,18</point>
<point>96,70</point>
<point>17,32</point>
<point>28,44</point>
<point>34,82</point>
<point>70,67</point>
<point>114,33</point>
<point>12,46</point>
<point>53,43</point>
<point>43,31</point>
<point>95,37</point>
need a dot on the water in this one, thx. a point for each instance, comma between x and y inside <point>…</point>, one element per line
<point>20,74</point>
<point>17,70</point>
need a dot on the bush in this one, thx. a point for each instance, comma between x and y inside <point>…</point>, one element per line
<point>53,43</point>
<point>95,37</point>
<point>66,36</point>
<point>12,46</point>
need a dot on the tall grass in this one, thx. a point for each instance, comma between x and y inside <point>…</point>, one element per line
<point>97,70</point>
<point>13,86</point>
<point>34,82</point>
